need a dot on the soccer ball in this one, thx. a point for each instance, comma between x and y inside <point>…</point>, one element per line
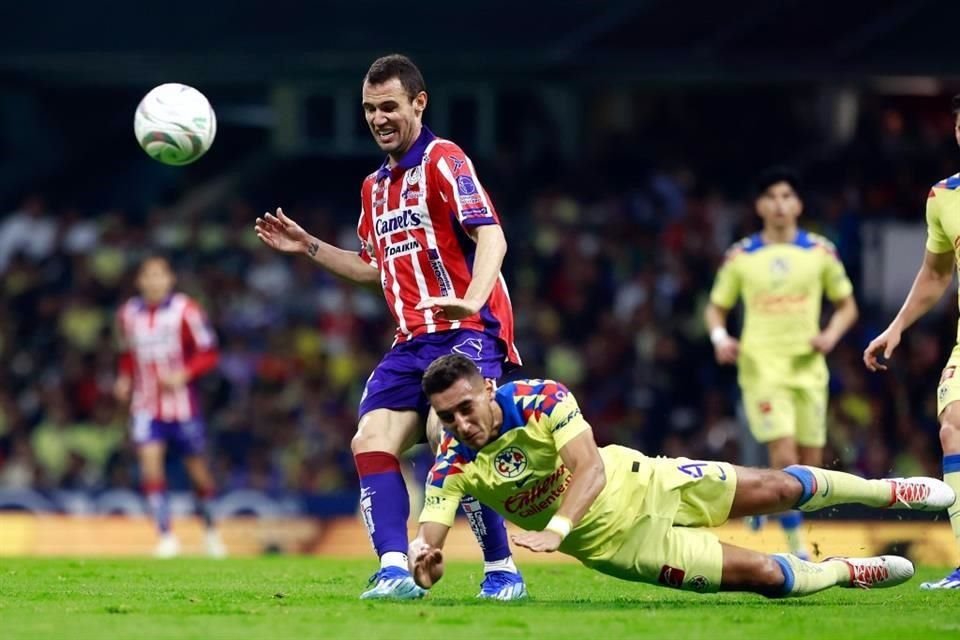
<point>175,124</point>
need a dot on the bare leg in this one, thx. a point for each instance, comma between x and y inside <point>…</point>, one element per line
<point>782,452</point>
<point>746,570</point>
<point>764,491</point>
<point>811,456</point>
<point>203,484</point>
<point>151,456</point>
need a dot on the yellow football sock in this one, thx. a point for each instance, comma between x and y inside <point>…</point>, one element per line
<point>824,488</point>
<point>802,578</point>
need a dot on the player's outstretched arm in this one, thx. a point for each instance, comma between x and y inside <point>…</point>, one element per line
<point>582,457</point>
<point>282,233</point>
<point>426,554</point>
<point>932,280</point>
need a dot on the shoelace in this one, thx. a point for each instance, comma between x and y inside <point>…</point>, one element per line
<point>867,575</point>
<point>910,492</point>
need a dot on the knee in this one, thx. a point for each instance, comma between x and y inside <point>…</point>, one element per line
<point>375,435</point>
<point>950,433</point>
<point>363,441</point>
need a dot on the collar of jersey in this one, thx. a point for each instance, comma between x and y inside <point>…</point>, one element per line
<point>142,304</point>
<point>512,418</point>
<point>802,239</point>
<point>413,156</point>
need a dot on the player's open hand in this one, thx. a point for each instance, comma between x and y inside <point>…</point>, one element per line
<point>122,388</point>
<point>885,344</point>
<point>426,564</point>
<point>727,350</point>
<point>280,232</point>
<point>450,307</point>
<point>545,541</point>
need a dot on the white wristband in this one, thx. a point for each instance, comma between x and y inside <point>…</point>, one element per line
<point>560,526</point>
<point>718,336</point>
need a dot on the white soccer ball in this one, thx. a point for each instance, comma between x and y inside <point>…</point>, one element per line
<point>175,124</point>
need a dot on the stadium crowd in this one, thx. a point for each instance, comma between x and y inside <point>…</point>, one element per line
<point>609,265</point>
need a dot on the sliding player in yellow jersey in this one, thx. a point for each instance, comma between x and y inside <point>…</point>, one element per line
<point>935,275</point>
<point>526,451</point>
<point>782,274</point>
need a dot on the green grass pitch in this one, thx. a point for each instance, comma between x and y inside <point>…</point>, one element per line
<point>316,598</point>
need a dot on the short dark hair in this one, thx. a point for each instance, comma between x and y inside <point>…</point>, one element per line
<point>400,67</point>
<point>773,175</point>
<point>155,257</point>
<point>444,372</point>
<point>955,104</point>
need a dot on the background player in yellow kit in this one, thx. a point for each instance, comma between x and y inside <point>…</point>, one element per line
<point>526,450</point>
<point>782,274</point>
<point>935,275</point>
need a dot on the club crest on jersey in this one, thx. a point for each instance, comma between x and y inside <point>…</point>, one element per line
<point>779,268</point>
<point>511,462</point>
<point>413,176</point>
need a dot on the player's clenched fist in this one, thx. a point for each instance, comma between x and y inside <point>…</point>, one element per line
<point>884,343</point>
<point>426,563</point>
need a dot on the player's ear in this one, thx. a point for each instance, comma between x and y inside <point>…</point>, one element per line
<point>489,386</point>
<point>420,102</point>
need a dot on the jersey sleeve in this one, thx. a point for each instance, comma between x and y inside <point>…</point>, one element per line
<point>124,354</point>
<point>937,239</point>
<point>365,231</point>
<point>836,284</point>
<point>197,327</point>
<point>444,487</point>
<point>726,286</point>
<point>564,420</point>
<point>458,184</point>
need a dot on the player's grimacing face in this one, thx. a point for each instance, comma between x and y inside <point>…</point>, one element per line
<point>393,117</point>
<point>155,280</point>
<point>779,205</point>
<point>466,410</point>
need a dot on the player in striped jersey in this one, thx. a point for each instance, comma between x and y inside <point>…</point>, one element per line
<point>166,344</point>
<point>942,258</point>
<point>430,235</point>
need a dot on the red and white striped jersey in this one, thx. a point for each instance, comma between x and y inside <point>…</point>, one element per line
<point>414,222</point>
<point>157,340</point>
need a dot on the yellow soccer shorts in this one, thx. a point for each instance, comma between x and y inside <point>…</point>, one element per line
<point>949,388</point>
<point>784,412</point>
<point>663,544</point>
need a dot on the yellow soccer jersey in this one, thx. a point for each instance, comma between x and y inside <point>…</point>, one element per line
<point>782,286</point>
<point>520,473</point>
<point>943,219</point>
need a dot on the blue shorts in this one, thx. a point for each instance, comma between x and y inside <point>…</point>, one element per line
<point>395,383</point>
<point>187,438</point>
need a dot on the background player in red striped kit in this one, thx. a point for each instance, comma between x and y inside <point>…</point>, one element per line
<point>429,234</point>
<point>166,343</point>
